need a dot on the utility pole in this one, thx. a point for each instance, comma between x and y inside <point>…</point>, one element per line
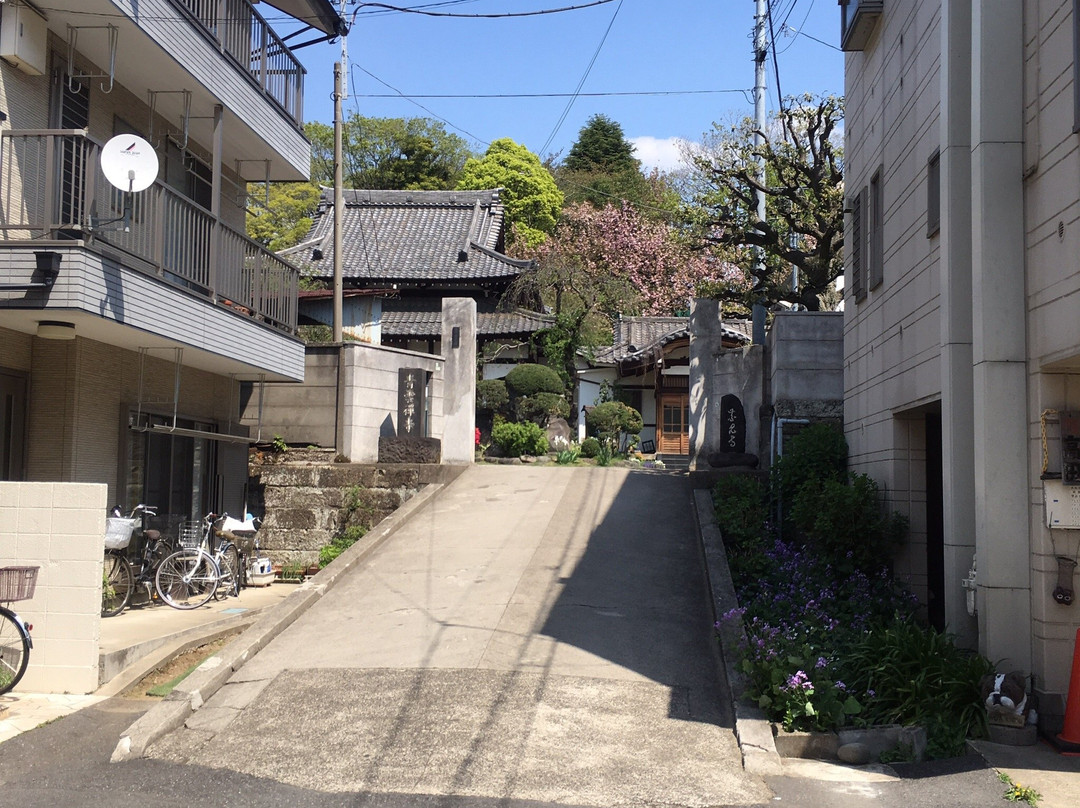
<point>760,51</point>
<point>339,191</point>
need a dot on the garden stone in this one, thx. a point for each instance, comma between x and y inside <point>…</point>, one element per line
<point>856,754</point>
<point>559,434</point>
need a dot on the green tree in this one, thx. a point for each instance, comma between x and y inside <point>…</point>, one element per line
<point>413,154</point>
<point>531,198</point>
<point>283,217</point>
<point>601,146</point>
<point>804,189</point>
<point>601,169</point>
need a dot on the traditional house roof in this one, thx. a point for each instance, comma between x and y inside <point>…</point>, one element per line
<point>425,239</point>
<point>641,339</point>
<point>422,319</point>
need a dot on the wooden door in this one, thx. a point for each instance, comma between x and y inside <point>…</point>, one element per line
<point>674,423</point>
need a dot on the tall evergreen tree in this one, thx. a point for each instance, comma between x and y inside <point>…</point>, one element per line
<point>602,146</point>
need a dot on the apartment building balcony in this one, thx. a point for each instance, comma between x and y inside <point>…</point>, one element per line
<point>150,269</point>
<point>188,57</point>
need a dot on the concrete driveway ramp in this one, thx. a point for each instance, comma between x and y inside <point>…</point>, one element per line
<point>536,634</point>
<point>494,734</point>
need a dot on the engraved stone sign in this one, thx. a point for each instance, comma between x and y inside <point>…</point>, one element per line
<point>733,425</point>
<point>412,406</point>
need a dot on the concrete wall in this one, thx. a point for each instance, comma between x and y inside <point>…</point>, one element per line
<point>716,371</point>
<point>459,379</point>
<point>369,396</point>
<point>348,399</point>
<point>59,528</point>
<point>806,364</point>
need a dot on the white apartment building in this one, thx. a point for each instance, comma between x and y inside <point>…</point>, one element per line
<point>962,307</point>
<point>133,325</point>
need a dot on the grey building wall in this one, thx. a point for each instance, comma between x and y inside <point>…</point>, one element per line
<point>806,364</point>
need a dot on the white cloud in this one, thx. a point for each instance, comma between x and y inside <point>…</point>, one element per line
<point>661,153</point>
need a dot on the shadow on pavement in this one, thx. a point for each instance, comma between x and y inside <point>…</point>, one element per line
<point>637,597</point>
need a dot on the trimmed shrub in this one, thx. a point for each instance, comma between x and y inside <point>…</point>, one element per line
<point>520,439</point>
<point>590,447</point>
<point>525,381</point>
<point>844,519</point>
<point>491,395</point>
<point>542,407</point>
<point>612,418</point>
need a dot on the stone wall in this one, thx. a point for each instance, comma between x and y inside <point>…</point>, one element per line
<point>305,503</point>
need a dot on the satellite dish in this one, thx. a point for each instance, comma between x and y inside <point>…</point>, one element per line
<point>129,163</point>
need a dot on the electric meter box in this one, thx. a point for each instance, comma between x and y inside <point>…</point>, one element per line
<point>24,36</point>
<point>1061,505</point>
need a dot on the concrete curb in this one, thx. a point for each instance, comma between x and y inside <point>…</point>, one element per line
<point>752,730</point>
<point>209,677</point>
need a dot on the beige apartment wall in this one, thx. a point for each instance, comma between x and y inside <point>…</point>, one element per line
<point>59,528</point>
<point>80,393</point>
<point>893,337</point>
<point>1052,266</point>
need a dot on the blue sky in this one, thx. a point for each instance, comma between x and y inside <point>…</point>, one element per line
<point>661,46</point>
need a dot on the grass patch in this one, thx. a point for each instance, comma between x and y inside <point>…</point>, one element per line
<point>165,688</point>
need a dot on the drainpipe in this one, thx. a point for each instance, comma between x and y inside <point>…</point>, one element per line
<point>776,438</point>
<point>776,450</point>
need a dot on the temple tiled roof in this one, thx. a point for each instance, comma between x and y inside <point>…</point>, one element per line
<point>417,238</point>
<point>638,338</point>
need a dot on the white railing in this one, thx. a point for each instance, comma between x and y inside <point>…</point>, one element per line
<point>244,35</point>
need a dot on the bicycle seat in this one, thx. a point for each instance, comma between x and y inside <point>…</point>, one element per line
<point>152,535</point>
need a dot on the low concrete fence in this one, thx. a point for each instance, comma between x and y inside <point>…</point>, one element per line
<point>58,527</point>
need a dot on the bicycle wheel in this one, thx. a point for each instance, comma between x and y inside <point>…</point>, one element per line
<point>228,561</point>
<point>14,650</point>
<point>117,584</point>
<point>187,579</point>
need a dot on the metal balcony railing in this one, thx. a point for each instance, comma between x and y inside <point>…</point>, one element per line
<point>241,33</point>
<point>51,186</point>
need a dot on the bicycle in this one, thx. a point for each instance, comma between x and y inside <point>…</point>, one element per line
<point>16,583</point>
<point>120,575</point>
<point>226,555</point>
<point>189,577</point>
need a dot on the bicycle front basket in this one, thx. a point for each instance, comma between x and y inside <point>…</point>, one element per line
<point>191,534</point>
<point>118,530</point>
<point>17,583</point>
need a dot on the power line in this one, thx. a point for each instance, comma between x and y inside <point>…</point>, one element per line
<point>556,95</point>
<point>820,41</point>
<point>411,101</point>
<point>584,76</point>
<point>501,15</point>
<point>772,47</point>
<point>784,25</point>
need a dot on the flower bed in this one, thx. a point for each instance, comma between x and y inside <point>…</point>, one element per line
<point>831,638</point>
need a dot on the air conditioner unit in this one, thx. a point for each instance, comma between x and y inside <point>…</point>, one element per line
<point>24,36</point>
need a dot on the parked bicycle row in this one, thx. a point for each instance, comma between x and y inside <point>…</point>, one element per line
<point>210,558</point>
